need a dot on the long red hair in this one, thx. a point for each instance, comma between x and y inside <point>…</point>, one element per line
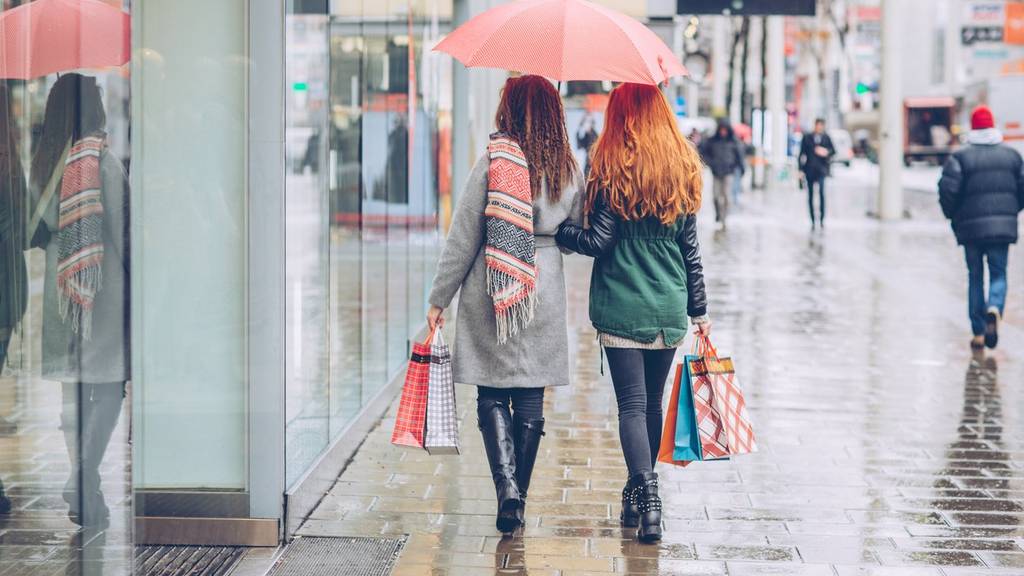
<point>641,162</point>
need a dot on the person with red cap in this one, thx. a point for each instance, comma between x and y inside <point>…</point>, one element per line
<point>982,192</point>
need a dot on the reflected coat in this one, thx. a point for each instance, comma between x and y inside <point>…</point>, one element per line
<point>67,355</point>
<point>539,355</point>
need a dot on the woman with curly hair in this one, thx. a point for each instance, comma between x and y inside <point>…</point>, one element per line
<point>511,337</point>
<point>642,195</point>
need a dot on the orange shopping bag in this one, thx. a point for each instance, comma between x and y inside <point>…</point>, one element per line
<point>668,434</point>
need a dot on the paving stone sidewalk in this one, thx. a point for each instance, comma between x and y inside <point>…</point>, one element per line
<point>886,447</point>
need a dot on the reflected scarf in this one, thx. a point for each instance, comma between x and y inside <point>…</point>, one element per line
<point>80,234</point>
<point>510,255</point>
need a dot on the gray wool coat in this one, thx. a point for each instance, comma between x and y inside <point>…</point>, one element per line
<point>539,355</point>
<point>105,358</point>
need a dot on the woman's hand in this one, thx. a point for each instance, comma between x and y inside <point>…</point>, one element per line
<point>703,325</point>
<point>435,318</point>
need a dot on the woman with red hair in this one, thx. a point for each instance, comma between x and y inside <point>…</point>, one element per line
<point>643,192</point>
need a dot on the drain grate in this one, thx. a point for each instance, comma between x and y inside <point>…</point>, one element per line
<point>186,560</point>
<point>315,556</point>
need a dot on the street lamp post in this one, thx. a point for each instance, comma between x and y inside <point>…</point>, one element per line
<point>890,153</point>
<point>776,97</point>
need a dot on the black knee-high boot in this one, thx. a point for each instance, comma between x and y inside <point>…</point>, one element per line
<point>528,435</point>
<point>496,429</point>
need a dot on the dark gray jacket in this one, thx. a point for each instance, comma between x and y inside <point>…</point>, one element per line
<point>981,192</point>
<point>724,155</point>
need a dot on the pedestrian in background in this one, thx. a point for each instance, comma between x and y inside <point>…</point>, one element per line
<point>642,196</point>
<point>586,135</point>
<point>981,192</point>
<point>723,153</point>
<point>816,152</point>
<point>511,337</point>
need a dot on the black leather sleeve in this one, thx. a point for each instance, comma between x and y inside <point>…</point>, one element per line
<point>594,241</point>
<point>697,303</point>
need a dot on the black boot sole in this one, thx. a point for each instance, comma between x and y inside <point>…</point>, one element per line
<point>648,534</point>
<point>991,330</point>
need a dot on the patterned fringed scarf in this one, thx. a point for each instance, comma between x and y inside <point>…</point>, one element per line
<point>511,250</point>
<point>80,236</point>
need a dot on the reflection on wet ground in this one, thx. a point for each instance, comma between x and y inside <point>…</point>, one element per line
<point>886,447</point>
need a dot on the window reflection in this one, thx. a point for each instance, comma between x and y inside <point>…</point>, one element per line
<point>387,158</point>
<point>64,323</point>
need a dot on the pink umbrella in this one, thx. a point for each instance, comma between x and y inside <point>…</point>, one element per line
<point>47,36</point>
<point>563,40</point>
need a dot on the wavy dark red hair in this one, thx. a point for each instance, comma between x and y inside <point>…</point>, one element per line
<point>531,113</point>
<point>641,162</point>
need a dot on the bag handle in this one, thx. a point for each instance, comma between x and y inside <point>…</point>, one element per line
<point>703,348</point>
<point>430,335</point>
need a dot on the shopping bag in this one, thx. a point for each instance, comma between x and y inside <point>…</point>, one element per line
<point>411,421</point>
<point>729,403</point>
<point>442,421</point>
<point>718,406</point>
<point>677,418</point>
<point>710,422</point>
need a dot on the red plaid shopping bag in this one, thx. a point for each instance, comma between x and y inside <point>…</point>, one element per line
<point>721,408</point>
<point>710,421</point>
<point>412,408</point>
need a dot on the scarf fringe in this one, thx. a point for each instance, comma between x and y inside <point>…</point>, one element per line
<point>88,280</point>
<point>513,319</point>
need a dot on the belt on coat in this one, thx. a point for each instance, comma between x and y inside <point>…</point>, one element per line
<point>545,241</point>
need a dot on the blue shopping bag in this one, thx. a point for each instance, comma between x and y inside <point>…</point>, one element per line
<point>687,441</point>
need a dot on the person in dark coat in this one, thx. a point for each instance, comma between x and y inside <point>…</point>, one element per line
<point>982,192</point>
<point>586,135</point>
<point>723,153</point>
<point>816,152</point>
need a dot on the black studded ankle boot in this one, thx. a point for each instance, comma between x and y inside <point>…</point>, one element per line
<point>648,504</point>
<point>630,515</point>
<point>528,435</point>
<point>496,429</point>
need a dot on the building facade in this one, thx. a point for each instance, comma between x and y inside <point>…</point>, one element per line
<point>268,188</point>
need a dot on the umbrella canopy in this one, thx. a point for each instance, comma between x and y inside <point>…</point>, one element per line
<point>563,40</point>
<point>48,36</point>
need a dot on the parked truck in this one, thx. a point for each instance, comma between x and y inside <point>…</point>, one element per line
<point>928,129</point>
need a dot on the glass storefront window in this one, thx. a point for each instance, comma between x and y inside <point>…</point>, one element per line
<point>65,297</point>
<point>372,212</point>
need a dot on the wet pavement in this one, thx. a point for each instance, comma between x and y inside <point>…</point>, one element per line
<point>887,448</point>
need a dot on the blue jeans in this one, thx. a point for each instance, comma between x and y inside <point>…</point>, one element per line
<point>997,256</point>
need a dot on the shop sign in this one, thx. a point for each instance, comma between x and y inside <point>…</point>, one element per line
<point>973,34</point>
<point>986,13</point>
<point>747,7</point>
<point>1013,31</point>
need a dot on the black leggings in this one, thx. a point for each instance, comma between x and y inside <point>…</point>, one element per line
<point>527,403</point>
<point>639,380</point>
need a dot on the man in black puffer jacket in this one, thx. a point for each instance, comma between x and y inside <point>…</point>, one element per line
<point>981,192</point>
